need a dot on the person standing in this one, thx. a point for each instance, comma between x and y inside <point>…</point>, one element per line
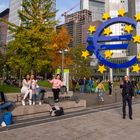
<point>56,85</point>
<point>110,87</point>
<point>74,83</point>
<point>35,90</point>
<point>90,85</point>
<point>81,84</point>
<point>85,84</point>
<point>101,90</point>
<point>135,86</point>
<point>127,95</point>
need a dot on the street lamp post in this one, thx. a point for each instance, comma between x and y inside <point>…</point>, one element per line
<point>62,61</point>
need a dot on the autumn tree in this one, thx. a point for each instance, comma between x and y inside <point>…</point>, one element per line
<point>62,40</point>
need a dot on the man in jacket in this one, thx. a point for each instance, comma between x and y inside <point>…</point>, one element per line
<point>127,95</point>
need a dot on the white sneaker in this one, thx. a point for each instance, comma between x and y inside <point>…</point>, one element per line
<point>23,102</point>
<point>40,103</point>
<point>3,124</point>
<point>30,102</point>
<point>102,100</point>
<point>33,103</point>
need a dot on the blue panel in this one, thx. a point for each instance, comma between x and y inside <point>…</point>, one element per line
<point>115,38</point>
<point>114,47</point>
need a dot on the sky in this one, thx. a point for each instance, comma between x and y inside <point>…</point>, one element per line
<point>61,5</point>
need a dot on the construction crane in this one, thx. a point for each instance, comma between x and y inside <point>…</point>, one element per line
<point>65,13</point>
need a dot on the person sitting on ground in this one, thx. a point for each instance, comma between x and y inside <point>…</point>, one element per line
<point>2,123</point>
<point>57,83</point>
<point>4,104</point>
<point>26,90</point>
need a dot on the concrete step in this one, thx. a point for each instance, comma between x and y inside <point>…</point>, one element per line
<point>35,109</point>
<point>48,119</point>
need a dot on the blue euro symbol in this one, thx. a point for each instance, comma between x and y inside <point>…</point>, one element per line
<point>96,42</point>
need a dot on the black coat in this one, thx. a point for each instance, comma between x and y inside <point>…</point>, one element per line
<point>127,89</point>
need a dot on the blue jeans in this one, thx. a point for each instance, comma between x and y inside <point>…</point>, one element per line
<point>1,117</point>
<point>81,88</point>
<point>36,96</point>
<point>5,105</point>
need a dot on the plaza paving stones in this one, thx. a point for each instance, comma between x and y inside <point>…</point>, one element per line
<point>102,125</point>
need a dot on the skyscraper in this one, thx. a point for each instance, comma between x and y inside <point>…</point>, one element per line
<point>112,7</point>
<point>3,29</point>
<point>15,5</point>
<point>97,7</point>
<point>131,7</point>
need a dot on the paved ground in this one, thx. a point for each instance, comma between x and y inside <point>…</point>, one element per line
<point>103,125</point>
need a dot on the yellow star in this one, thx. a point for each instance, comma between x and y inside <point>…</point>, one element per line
<point>138,55</point>
<point>137,17</point>
<point>121,12</point>
<point>92,29</point>
<point>101,69</point>
<point>85,54</point>
<point>136,68</point>
<point>128,28</point>
<point>105,16</point>
<point>107,31</point>
<point>136,39</point>
<point>108,54</point>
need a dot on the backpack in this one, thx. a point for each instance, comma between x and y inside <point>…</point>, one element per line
<point>8,118</point>
<point>56,111</point>
<point>63,89</point>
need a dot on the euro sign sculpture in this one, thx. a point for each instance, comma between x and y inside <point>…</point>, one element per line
<point>96,43</point>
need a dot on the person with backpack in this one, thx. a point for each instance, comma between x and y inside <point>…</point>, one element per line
<point>101,90</point>
<point>5,119</point>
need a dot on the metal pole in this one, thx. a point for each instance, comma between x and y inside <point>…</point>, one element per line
<point>20,77</point>
<point>62,64</point>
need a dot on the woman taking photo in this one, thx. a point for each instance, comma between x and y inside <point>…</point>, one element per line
<point>26,90</point>
<point>56,85</point>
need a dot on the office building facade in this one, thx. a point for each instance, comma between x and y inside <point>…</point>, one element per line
<point>74,23</point>
<point>15,5</point>
<point>97,7</point>
<point>3,30</point>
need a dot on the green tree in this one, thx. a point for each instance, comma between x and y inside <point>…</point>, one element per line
<point>33,38</point>
<point>81,66</point>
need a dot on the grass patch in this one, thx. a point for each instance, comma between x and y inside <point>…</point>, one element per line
<point>45,83</point>
<point>9,89</point>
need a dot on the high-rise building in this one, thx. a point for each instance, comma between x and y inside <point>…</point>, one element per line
<point>131,7</point>
<point>15,5</point>
<point>112,7</point>
<point>74,23</point>
<point>13,15</point>
<point>3,29</point>
<point>97,7</point>
<point>134,8</point>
